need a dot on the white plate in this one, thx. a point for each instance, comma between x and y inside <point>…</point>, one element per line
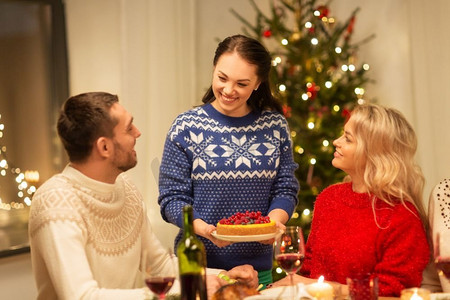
<point>246,238</point>
<point>282,293</point>
<point>440,296</point>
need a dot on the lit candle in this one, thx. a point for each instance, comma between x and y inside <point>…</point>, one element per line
<point>415,294</point>
<point>320,290</point>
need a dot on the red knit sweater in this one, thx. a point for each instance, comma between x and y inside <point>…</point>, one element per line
<point>345,240</point>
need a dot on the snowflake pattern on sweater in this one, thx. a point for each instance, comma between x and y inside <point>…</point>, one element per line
<point>83,230</point>
<point>222,165</point>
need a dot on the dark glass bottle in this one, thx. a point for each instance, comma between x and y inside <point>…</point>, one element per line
<point>192,261</point>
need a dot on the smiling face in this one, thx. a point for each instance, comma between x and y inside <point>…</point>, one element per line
<point>344,156</point>
<point>234,80</point>
<point>124,140</point>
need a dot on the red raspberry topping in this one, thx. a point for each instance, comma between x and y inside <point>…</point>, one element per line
<point>246,218</point>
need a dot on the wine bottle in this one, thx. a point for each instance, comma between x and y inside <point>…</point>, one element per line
<point>192,261</point>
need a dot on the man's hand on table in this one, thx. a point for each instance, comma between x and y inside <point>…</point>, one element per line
<point>245,274</point>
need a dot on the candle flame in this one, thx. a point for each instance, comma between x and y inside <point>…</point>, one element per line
<point>321,278</point>
<point>415,296</point>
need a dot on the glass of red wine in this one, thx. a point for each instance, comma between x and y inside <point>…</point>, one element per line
<point>442,253</point>
<point>289,252</point>
<point>161,283</point>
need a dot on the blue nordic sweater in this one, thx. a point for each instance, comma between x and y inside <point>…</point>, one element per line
<point>222,165</point>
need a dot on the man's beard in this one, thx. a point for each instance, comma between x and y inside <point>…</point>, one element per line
<point>122,165</point>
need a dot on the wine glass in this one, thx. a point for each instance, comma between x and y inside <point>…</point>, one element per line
<point>160,283</point>
<point>289,252</point>
<point>442,253</point>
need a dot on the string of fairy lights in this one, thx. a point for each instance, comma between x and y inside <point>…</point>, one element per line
<point>24,181</point>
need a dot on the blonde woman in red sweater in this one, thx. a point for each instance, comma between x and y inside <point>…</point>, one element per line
<point>374,222</point>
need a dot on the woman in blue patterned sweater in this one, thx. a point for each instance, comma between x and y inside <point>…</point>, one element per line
<point>232,154</point>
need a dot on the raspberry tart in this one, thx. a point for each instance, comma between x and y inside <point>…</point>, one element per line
<point>248,223</point>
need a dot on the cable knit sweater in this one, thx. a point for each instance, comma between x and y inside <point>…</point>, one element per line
<point>87,239</point>
<point>439,216</point>
<point>346,240</point>
<point>223,165</point>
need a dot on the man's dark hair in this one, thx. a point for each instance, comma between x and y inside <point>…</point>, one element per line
<point>82,120</point>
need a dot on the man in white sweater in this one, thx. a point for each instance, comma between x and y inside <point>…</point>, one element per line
<point>88,225</point>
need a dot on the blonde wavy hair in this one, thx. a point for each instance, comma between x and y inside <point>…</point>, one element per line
<point>384,156</point>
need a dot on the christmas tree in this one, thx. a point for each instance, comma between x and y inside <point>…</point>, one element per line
<point>318,79</point>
